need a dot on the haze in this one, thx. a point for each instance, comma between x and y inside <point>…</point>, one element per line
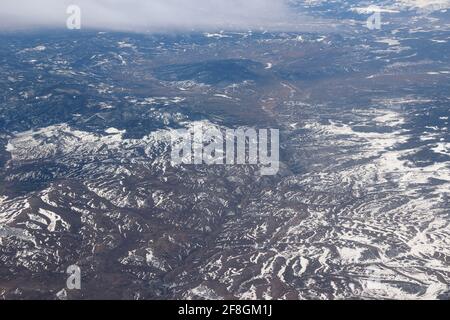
<point>145,15</point>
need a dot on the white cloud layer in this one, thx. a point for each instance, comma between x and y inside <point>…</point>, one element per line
<point>149,15</point>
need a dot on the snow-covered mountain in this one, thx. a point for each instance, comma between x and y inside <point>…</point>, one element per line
<point>358,210</point>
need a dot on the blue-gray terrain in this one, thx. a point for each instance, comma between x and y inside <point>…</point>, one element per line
<point>359,209</point>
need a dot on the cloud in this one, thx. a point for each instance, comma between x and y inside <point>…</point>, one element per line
<point>150,15</point>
